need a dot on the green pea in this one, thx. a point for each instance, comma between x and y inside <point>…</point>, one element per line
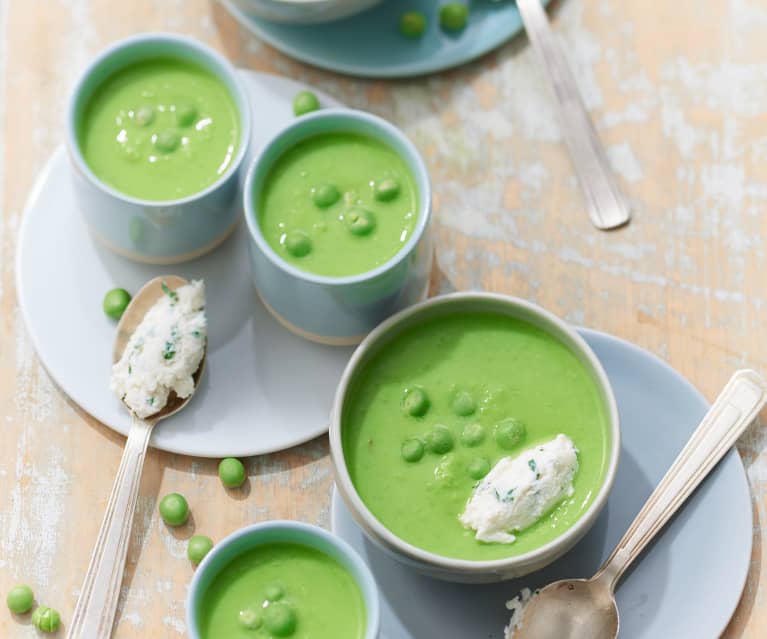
<point>464,404</point>
<point>360,221</point>
<point>325,195</point>
<point>298,243</point>
<point>167,140</point>
<point>174,509</point>
<point>453,16</point>
<point>305,102</point>
<point>412,24</point>
<point>186,114</point>
<point>250,619</point>
<point>198,547</point>
<point>509,433</point>
<point>46,619</point>
<point>415,402</point>
<point>386,190</point>
<point>115,302</point>
<point>478,468</point>
<point>144,115</point>
<point>412,450</point>
<point>473,435</point>
<point>20,599</point>
<point>440,440</point>
<point>231,472</point>
<point>280,619</point>
<point>275,592</point>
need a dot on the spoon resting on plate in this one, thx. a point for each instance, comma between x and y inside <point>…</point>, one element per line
<point>95,611</point>
<point>585,608</point>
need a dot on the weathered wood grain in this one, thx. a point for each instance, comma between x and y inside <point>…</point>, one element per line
<point>679,93</point>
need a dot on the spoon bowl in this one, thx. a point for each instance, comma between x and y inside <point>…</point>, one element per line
<point>571,609</point>
<point>134,314</point>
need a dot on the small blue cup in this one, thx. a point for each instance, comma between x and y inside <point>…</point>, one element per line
<point>338,310</point>
<point>283,532</point>
<point>164,232</point>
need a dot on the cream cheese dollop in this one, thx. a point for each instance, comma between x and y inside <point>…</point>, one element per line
<point>164,351</point>
<point>519,490</point>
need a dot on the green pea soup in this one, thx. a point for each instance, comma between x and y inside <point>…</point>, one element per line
<point>338,204</point>
<point>433,409</point>
<point>283,590</point>
<point>159,129</point>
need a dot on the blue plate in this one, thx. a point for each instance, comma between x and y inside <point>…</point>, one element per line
<point>369,44</point>
<point>685,586</point>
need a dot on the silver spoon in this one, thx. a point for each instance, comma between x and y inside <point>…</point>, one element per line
<point>585,608</point>
<point>95,611</point>
<point>606,204</point>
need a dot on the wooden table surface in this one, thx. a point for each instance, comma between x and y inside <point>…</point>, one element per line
<point>679,93</point>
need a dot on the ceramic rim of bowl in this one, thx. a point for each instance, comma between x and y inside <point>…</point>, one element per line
<point>371,124</point>
<point>214,63</point>
<point>294,532</point>
<point>547,321</point>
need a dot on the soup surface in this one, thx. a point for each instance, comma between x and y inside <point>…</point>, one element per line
<point>338,204</point>
<point>438,406</point>
<point>160,129</point>
<point>283,590</point>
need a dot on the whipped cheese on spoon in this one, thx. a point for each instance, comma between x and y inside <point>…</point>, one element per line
<point>160,320</point>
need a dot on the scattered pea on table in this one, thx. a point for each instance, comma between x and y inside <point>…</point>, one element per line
<point>453,16</point>
<point>115,302</point>
<point>198,547</point>
<point>305,102</point>
<point>46,619</point>
<point>174,509</point>
<point>20,599</point>
<point>412,24</point>
<point>231,472</point>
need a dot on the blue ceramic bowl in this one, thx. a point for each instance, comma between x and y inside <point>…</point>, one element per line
<point>338,310</point>
<point>282,531</point>
<point>165,232</point>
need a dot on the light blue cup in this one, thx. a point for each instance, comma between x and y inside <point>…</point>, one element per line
<point>164,232</point>
<point>283,532</point>
<point>338,310</point>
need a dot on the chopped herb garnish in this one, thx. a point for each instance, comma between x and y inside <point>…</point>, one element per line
<point>130,369</point>
<point>169,291</point>
<point>532,465</point>
<point>150,401</point>
<point>196,333</point>
<point>509,496</point>
<point>170,350</point>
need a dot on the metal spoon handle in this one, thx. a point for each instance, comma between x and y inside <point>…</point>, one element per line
<point>607,206</point>
<point>95,611</point>
<point>732,412</point>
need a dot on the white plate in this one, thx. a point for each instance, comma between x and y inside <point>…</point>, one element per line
<point>686,586</point>
<point>264,389</point>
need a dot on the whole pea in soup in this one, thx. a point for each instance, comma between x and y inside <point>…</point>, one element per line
<point>283,590</point>
<point>338,204</point>
<point>434,409</point>
<point>160,129</point>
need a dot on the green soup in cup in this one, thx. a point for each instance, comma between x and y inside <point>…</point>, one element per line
<point>443,394</point>
<point>338,204</point>
<point>159,129</point>
<point>283,579</point>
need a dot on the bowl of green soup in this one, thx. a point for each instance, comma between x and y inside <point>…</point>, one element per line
<point>157,131</point>
<point>338,207</point>
<point>475,437</point>
<point>283,579</point>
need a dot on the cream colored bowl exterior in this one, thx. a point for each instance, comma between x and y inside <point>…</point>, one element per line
<point>447,568</point>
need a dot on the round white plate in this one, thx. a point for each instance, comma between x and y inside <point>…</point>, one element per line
<point>687,584</point>
<point>264,389</point>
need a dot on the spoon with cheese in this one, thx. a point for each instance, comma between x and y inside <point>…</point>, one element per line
<point>158,359</point>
